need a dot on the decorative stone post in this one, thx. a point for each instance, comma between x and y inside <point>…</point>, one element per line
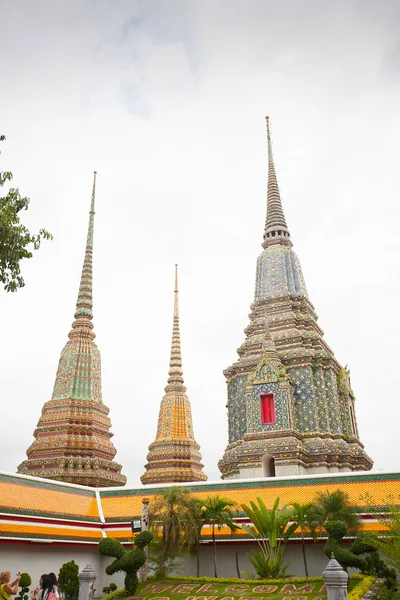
<point>86,583</point>
<point>145,526</point>
<point>335,579</point>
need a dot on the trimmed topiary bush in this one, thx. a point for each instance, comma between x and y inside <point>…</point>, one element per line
<point>128,561</point>
<point>24,583</point>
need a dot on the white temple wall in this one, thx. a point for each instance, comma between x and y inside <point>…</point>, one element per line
<point>226,559</point>
<point>40,558</point>
<point>36,559</point>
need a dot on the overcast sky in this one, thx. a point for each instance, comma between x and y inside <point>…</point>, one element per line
<point>167,99</point>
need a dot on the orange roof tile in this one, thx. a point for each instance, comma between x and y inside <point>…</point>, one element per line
<point>27,496</point>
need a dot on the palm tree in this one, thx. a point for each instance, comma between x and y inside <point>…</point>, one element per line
<point>196,511</point>
<point>336,506</point>
<point>170,511</point>
<point>218,512</point>
<point>304,516</point>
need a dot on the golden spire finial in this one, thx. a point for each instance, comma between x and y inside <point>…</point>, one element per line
<point>175,363</point>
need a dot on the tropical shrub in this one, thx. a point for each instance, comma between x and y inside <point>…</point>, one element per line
<point>271,531</point>
<point>107,589</point>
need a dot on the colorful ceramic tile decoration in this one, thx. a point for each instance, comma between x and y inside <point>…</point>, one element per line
<point>290,403</point>
<point>174,456</point>
<point>72,438</point>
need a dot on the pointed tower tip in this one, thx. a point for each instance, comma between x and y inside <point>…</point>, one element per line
<point>84,304</point>
<point>175,365</point>
<point>275,230</point>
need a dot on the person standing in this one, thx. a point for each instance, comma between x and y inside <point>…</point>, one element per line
<point>54,581</point>
<point>47,589</point>
<point>36,594</point>
<point>8,589</point>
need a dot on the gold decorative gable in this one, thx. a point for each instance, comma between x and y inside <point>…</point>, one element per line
<point>268,370</point>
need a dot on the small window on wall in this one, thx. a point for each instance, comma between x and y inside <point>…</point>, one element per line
<point>267,409</point>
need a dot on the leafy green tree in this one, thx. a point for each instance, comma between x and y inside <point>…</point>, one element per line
<point>219,512</point>
<point>171,559</point>
<point>24,582</point>
<point>16,241</point>
<point>389,544</point>
<point>68,579</point>
<point>336,506</point>
<point>272,531</point>
<point>304,516</point>
<point>171,512</point>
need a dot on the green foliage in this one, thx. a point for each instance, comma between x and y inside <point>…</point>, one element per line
<point>16,241</point>
<point>255,581</point>
<point>24,582</point>
<point>271,531</point>
<point>336,506</point>
<point>111,547</point>
<point>304,516</point>
<point>154,560</point>
<point>176,588</point>
<point>346,558</point>
<point>121,593</point>
<point>361,588</point>
<point>170,511</point>
<point>390,544</point>
<point>196,511</point>
<point>68,579</point>
<point>218,512</point>
<point>128,561</point>
<point>107,589</point>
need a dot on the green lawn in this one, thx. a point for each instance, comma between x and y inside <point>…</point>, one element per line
<point>199,590</point>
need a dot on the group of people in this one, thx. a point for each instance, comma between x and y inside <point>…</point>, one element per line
<point>46,590</point>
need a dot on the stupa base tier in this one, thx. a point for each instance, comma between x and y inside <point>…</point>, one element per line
<point>92,472</point>
<point>255,457</point>
<point>172,475</point>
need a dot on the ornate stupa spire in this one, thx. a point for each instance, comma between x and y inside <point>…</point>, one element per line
<point>275,230</point>
<point>84,303</point>
<point>73,438</point>
<point>174,456</point>
<point>290,404</point>
<point>175,379</point>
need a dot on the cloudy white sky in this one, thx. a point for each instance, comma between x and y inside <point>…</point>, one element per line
<point>166,99</point>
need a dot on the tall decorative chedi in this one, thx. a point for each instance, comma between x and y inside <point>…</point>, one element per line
<point>73,438</point>
<point>290,403</point>
<point>174,456</point>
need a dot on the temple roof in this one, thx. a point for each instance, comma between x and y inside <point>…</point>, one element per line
<point>30,508</point>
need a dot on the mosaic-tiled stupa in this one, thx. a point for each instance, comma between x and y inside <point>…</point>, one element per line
<point>290,403</point>
<point>73,438</point>
<point>174,456</point>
